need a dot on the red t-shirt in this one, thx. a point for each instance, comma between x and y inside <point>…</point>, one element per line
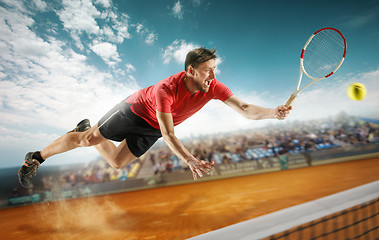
<point>171,96</point>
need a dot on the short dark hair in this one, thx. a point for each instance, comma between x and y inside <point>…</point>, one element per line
<point>199,55</point>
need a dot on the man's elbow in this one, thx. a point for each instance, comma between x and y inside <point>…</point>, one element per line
<point>246,112</point>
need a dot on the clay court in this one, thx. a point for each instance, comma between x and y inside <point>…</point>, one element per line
<point>183,211</point>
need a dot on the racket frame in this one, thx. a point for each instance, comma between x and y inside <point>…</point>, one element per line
<point>302,70</point>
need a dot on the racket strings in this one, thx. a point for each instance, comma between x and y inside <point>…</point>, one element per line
<point>323,53</point>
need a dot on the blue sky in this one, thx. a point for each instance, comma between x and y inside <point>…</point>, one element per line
<point>62,61</point>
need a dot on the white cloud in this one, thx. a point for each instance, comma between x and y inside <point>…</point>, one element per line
<point>129,68</point>
<point>2,75</point>
<point>120,24</point>
<point>139,28</point>
<point>108,33</point>
<point>16,4</point>
<point>105,3</point>
<point>40,5</point>
<point>79,16</point>
<point>177,51</point>
<point>151,38</point>
<point>218,62</point>
<point>47,85</point>
<point>177,10</point>
<point>107,51</point>
<point>82,16</point>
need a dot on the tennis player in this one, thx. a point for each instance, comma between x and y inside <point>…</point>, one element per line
<point>150,113</point>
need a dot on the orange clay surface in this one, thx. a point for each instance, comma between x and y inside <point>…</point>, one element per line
<point>180,212</point>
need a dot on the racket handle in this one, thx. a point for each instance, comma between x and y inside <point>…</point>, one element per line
<point>290,100</point>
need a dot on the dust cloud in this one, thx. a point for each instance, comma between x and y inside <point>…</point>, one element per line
<point>90,218</point>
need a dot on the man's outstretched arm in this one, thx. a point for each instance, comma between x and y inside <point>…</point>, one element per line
<point>256,112</point>
<point>166,125</point>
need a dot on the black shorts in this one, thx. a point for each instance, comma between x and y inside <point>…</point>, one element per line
<point>121,123</point>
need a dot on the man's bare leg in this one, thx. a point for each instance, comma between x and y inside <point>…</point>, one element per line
<point>117,157</point>
<point>73,140</point>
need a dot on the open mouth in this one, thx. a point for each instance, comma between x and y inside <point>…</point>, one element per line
<point>208,82</point>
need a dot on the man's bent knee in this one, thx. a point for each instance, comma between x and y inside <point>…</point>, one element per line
<point>91,137</point>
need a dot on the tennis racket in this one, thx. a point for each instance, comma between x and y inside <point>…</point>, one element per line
<point>322,55</point>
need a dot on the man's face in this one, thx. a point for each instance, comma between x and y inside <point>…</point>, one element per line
<point>204,74</point>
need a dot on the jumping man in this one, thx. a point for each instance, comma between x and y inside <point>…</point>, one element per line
<point>150,113</point>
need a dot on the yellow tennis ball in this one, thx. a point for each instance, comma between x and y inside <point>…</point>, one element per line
<point>356,91</point>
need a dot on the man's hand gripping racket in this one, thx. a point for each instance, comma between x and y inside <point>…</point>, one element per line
<point>322,55</point>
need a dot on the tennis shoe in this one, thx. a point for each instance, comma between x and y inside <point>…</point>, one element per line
<point>82,126</point>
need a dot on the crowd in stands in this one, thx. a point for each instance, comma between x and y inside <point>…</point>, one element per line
<point>95,172</point>
<point>273,141</point>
